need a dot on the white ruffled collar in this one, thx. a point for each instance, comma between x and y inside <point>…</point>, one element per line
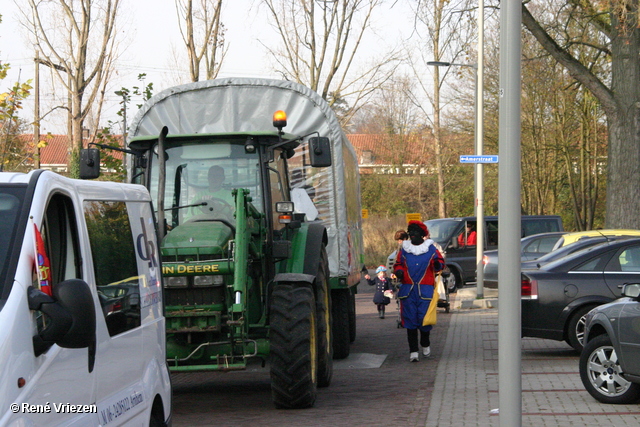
<point>409,247</point>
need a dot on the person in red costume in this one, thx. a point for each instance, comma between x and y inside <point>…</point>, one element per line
<point>416,264</point>
<point>471,236</point>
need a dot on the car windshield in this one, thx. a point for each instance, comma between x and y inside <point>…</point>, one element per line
<point>442,230</point>
<point>11,198</point>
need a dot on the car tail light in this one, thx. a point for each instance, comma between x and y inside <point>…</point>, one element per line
<point>485,260</point>
<point>529,288</point>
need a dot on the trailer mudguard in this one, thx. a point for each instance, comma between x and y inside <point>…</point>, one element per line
<point>316,233</point>
<point>294,277</point>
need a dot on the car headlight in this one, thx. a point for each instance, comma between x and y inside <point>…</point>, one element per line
<point>175,282</point>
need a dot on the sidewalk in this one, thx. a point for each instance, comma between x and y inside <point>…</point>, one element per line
<point>466,386</point>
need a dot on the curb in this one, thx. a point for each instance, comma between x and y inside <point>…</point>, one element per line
<point>467,299</point>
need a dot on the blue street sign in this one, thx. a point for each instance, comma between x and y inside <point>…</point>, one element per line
<point>478,159</point>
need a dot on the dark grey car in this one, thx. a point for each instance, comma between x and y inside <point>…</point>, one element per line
<point>610,360</point>
<point>556,297</point>
<point>531,248</point>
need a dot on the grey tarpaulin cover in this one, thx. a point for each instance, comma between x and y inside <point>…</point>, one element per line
<point>247,105</point>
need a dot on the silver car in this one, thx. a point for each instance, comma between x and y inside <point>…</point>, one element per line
<point>610,359</point>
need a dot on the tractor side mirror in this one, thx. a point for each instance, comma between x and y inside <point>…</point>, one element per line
<point>320,151</point>
<point>89,163</point>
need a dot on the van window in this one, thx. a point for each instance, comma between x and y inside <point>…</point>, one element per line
<point>115,266</point>
<point>10,204</point>
<point>539,225</point>
<point>441,230</point>
<point>60,236</point>
<point>492,232</point>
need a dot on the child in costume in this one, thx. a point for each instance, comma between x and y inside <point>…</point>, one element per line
<point>383,285</point>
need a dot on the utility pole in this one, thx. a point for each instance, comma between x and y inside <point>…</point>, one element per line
<point>36,121</point>
<point>36,126</point>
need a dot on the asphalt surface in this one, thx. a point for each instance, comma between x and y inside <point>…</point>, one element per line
<point>378,386</point>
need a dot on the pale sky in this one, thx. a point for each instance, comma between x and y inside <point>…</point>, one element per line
<point>151,35</point>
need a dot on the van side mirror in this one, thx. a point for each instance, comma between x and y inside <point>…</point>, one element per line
<point>70,316</point>
<point>454,242</point>
<point>320,151</point>
<point>89,163</point>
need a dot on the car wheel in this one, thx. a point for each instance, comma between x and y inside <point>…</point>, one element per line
<point>575,328</point>
<point>601,374</point>
<point>454,281</point>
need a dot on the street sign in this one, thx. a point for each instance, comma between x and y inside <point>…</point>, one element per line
<point>478,159</point>
<point>365,213</point>
<point>413,217</point>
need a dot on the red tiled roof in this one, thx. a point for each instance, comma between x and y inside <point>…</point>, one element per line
<point>56,152</point>
<point>382,149</point>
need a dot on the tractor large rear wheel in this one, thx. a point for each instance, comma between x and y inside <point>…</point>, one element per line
<point>293,347</point>
<point>340,314</point>
<point>323,314</point>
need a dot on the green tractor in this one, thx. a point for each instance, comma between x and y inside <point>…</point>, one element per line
<point>260,229</point>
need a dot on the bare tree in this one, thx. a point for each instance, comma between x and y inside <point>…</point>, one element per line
<point>203,35</point>
<point>320,42</point>
<point>77,40</point>
<point>442,26</point>
<point>616,88</point>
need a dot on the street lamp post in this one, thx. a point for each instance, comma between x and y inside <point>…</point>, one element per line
<point>479,173</point>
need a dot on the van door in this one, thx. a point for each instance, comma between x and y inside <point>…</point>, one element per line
<point>64,374</point>
<point>120,363</point>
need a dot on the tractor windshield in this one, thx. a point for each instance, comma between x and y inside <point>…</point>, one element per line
<point>200,178</point>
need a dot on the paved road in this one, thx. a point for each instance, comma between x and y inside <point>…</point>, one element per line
<point>457,386</point>
<point>397,393</point>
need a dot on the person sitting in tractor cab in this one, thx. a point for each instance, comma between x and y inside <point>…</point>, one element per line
<point>470,235</point>
<point>215,201</point>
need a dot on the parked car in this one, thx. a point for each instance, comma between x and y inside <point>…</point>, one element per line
<point>531,248</point>
<point>569,238</point>
<point>569,249</point>
<point>557,296</point>
<point>565,244</point>
<point>610,360</point>
<point>452,233</point>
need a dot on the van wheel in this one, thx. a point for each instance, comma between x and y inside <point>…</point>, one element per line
<point>323,314</point>
<point>293,347</point>
<point>157,414</point>
<point>454,281</point>
<point>575,328</point>
<point>340,325</point>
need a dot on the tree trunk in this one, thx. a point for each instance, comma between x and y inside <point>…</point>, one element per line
<point>621,103</point>
<point>623,193</point>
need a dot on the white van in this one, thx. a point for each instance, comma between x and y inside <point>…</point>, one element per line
<point>82,328</point>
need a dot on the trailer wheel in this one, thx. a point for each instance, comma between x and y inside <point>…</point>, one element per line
<point>352,316</point>
<point>294,346</point>
<point>323,314</point>
<point>340,325</point>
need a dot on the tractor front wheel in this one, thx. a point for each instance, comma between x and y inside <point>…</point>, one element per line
<point>323,316</point>
<point>294,346</point>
